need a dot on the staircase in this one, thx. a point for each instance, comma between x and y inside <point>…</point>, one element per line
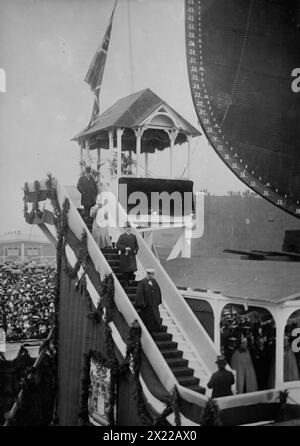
<point>164,340</point>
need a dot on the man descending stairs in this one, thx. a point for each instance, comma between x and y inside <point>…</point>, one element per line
<point>163,339</point>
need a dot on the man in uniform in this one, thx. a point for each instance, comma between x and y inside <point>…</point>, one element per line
<point>222,380</point>
<point>148,298</point>
<point>88,188</point>
<point>128,245</point>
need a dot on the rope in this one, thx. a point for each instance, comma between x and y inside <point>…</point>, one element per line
<point>237,74</point>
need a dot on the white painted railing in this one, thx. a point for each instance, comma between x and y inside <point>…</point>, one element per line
<point>123,304</point>
<point>182,314</point>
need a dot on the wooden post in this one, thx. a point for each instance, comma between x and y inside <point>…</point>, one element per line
<point>172,134</point>
<point>138,134</point>
<point>146,163</point>
<point>119,152</point>
<point>87,152</point>
<point>111,139</point>
<point>217,307</point>
<point>280,321</point>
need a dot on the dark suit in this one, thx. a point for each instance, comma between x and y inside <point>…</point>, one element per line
<point>148,298</point>
<point>221,382</point>
<point>127,261</point>
<point>88,189</point>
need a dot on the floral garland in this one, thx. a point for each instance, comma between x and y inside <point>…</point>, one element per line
<point>104,312</point>
<point>106,304</point>
<point>172,406</point>
<point>35,211</point>
<point>130,363</point>
<point>81,259</point>
<point>211,414</point>
<point>133,361</point>
<point>52,195</point>
<point>61,229</point>
<point>282,414</point>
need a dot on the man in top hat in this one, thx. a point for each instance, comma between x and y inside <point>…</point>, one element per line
<point>222,380</point>
<point>88,188</point>
<point>128,245</point>
<point>148,298</point>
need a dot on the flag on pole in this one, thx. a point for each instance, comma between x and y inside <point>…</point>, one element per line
<point>95,72</point>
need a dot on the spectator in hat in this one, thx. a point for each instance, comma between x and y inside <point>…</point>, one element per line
<point>148,299</point>
<point>222,380</point>
<point>128,245</point>
<point>100,223</point>
<point>88,188</point>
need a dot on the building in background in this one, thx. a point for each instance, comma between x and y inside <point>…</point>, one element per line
<point>17,245</point>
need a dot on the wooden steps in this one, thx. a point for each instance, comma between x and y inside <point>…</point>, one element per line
<point>163,339</point>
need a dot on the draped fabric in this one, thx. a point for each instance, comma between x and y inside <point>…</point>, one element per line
<point>78,334</point>
<point>100,226</point>
<point>11,373</point>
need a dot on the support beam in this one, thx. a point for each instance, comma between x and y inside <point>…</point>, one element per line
<point>87,152</point>
<point>111,139</point>
<point>172,135</point>
<point>138,134</point>
<point>279,355</point>
<point>119,152</point>
<point>280,316</point>
<point>217,307</point>
<point>146,164</point>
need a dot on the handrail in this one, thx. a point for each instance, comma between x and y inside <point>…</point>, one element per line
<point>125,307</point>
<point>183,316</point>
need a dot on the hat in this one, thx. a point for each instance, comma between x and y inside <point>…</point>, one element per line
<point>139,275</point>
<point>127,225</point>
<point>221,360</point>
<point>150,270</point>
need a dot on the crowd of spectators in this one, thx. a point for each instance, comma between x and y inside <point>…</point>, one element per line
<point>26,299</point>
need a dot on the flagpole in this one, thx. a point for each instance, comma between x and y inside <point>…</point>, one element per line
<point>96,69</point>
<point>131,67</point>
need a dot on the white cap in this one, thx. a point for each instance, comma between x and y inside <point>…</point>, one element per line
<point>150,270</point>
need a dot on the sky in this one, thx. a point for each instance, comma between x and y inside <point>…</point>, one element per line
<point>46,47</point>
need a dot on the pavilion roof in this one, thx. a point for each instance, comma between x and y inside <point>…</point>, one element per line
<point>131,111</point>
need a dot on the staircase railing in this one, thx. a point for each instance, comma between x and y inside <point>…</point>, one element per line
<point>123,304</point>
<point>183,316</point>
